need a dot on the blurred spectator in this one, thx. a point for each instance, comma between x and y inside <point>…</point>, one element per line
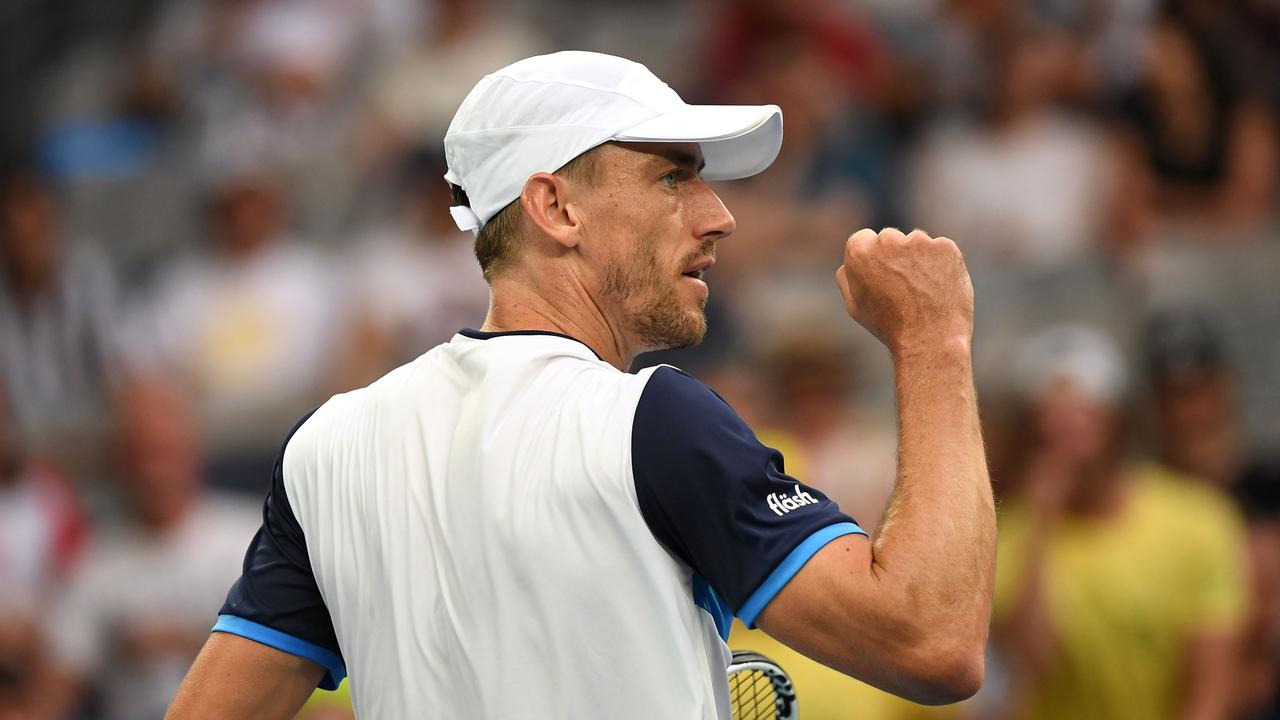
<point>1258,686</point>
<point>744,35</point>
<point>1113,35</point>
<point>295,52</point>
<point>1198,426</point>
<point>1200,436</point>
<point>1029,183</point>
<point>189,55</point>
<point>417,281</point>
<point>252,326</point>
<point>1236,289</point>
<point>58,315</point>
<point>1199,145</point>
<point>292,103</point>
<point>41,534</point>
<point>970,35</point>
<point>136,612</point>
<point>1120,587</point>
<point>416,93</point>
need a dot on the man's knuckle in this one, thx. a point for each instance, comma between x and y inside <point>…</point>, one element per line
<point>861,237</point>
<point>892,234</point>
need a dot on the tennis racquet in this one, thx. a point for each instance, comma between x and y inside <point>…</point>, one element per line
<point>759,689</point>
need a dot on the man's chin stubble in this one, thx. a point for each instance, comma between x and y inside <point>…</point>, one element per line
<point>666,325</point>
<point>664,322</point>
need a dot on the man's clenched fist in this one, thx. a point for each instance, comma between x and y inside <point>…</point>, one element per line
<point>911,291</point>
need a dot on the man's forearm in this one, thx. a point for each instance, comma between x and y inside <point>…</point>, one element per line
<point>909,611</point>
<point>937,541</point>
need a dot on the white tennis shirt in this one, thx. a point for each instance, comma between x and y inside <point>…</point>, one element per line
<point>509,527</point>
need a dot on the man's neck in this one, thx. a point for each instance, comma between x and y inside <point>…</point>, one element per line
<point>515,306</point>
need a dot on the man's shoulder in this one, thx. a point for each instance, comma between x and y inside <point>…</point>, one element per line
<point>669,388</point>
<point>676,410</point>
<point>393,388</point>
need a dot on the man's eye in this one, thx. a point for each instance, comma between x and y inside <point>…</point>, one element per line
<point>671,179</point>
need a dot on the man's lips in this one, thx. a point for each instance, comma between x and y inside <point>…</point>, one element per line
<point>697,269</point>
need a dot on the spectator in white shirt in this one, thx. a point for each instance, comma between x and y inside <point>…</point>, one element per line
<point>252,326</point>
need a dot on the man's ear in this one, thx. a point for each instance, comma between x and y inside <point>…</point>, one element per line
<point>545,202</point>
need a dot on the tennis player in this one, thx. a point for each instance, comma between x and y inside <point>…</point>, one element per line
<point>515,526</point>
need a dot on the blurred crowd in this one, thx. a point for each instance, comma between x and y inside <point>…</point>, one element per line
<point>214,214</point>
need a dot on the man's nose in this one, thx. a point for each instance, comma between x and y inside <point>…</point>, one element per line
<point>714,219</point>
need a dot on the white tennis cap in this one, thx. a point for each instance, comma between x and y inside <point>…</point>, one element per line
<point>539,113</point>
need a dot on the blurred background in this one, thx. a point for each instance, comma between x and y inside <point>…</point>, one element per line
<point>214,214</point>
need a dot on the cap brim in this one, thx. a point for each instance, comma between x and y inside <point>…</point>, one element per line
<point>737,140</point>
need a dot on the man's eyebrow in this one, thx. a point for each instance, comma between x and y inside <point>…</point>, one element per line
<point>686,159</point>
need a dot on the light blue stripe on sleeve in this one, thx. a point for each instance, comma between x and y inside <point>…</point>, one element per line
<point>705,597</point>
<point>789,566</point>
<point>337,670</point>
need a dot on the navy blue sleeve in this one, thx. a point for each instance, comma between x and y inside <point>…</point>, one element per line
<point>276,601</point>
<point>720,500</point>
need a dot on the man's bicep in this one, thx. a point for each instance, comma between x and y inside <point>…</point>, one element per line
<point>806,612</point>
<point>836,611</point>
<point>234,677</point>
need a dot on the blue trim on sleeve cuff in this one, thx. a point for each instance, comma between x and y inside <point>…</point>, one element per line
<point>336,669</point>
<point>789,566</point>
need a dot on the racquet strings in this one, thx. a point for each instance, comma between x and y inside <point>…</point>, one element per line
<point>752,696</point>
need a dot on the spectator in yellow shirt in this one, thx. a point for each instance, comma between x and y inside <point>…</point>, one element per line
<point>1120,586</point>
